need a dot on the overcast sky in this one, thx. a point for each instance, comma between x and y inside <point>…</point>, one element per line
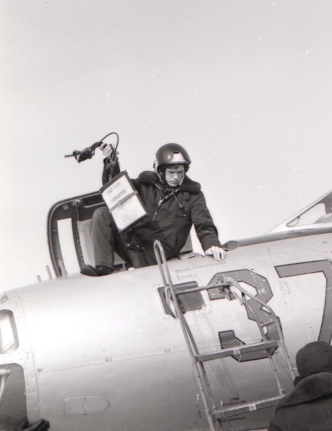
<point>244,86</point>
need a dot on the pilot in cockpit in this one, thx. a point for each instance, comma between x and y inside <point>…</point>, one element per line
<point>173,203</point>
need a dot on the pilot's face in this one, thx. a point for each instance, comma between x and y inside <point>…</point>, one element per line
<point>174,175</point>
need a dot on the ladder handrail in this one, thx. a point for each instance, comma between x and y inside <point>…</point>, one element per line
<point>281,342</point>
<point>229,282</point>
<point>213,415</point>
<point>191,344</point>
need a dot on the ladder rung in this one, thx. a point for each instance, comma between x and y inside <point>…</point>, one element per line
<point>244,408</point>
<point>198,288</point>
<point>236,351</point>
<point>264,325</point>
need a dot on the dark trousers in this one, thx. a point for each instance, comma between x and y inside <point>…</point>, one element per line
<point>106,240</point>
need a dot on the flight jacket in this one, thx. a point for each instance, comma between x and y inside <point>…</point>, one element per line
<point>171,215</point>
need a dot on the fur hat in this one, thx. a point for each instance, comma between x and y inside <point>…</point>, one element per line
<point>314,358</point>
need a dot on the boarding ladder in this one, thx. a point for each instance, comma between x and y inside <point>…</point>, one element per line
<point>216,415</point>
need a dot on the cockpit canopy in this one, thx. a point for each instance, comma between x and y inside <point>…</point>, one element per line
<point>311,217</point>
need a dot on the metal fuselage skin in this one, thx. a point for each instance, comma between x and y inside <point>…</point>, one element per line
<point>101,354</point>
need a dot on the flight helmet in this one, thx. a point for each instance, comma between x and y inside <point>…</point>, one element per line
<point>172,154</point>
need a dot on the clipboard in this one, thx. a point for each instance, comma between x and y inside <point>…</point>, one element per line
<point>123,201</point>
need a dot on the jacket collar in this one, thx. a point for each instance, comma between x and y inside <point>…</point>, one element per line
<point>151,178</point>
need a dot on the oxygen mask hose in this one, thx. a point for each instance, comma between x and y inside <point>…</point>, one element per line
<point>89,152</point>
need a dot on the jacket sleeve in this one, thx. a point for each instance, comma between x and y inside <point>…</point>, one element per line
<point>107,172</point>
<point>105,175</point>
<point>201,218</point>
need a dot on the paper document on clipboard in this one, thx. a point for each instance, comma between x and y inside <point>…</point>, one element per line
<point>123,201</point>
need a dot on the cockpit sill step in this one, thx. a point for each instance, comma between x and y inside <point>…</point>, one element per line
<point>237,351</point>
<point>225,412</point>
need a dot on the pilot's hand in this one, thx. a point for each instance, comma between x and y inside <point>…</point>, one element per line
<point>217,252</point>
<point>107,149</point>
